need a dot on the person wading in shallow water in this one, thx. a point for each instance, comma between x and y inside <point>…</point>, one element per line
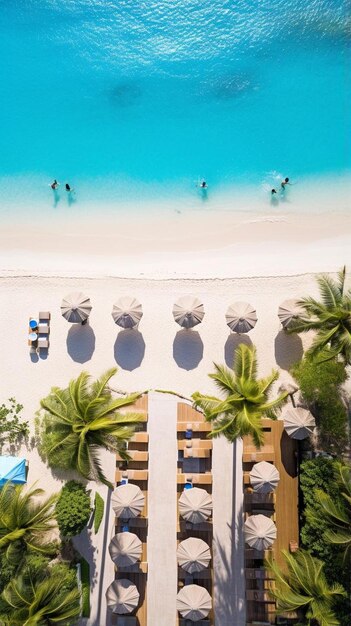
<point>284,183</point>
<point>54,185</point>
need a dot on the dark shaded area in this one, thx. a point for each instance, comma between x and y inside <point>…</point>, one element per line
<point>233,341</point>
<point>125,94</point>
<point>288,349</point>
<point>129,349</point>
<point>188,349</point>
<point>289,454</point>
<point>80,343</point>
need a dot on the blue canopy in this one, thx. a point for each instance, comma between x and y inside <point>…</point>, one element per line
<point>12,468</point>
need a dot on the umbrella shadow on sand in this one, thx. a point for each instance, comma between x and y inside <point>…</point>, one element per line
<point>188,349</point>
<point>129,349</point>
<point>288,349</point>
<point>234,340</point>
<point>80,343</point>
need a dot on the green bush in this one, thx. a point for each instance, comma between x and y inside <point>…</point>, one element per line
<point>73,509</point>
<point>12,428</point>
<point>99,511</point>
<point>315,474</point>
<point>320,386</point>
<point>85,579</point>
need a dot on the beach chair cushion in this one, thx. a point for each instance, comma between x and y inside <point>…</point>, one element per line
<point>43,342</point>
<point>43,328</point>
<point>44,315</point>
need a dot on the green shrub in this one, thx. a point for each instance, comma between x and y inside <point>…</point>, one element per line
<point>315,474</point>
<point>85,579</point>
<point>99,511</point>
<point>12,428</point>
<point>73,509</point>
<point>320,386</point>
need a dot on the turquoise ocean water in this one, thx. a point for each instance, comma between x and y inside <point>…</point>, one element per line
<point>132,100</point>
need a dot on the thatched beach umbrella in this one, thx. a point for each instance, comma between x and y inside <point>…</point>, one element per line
<point>288,312</point>
<point>193,554</point>
<point>122,596</point>
<point>260,532</point>
<point>241,317</point>
<point>127,312</point>
<point>188,311</point>
<point>195,505</point>
<point>298,422</point>
<point>125,549</point>
<point>194,602</point>
<point>76,307</point>
<point>127,501</point>
<point>264,477</point>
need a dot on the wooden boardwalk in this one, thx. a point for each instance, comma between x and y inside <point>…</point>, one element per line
<point>281,450</point>
<point>137,472</point>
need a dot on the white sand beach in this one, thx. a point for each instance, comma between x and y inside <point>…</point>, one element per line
<point>158,355</point>
<point>220,258</point>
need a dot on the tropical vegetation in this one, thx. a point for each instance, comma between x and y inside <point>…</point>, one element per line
<point>302,588</point>
<point>85,582</point>
<point>244,401</point>
<point>73,509</point>
<point>40,598</point>
<point>330,317</point>
<point>337,511</point>
<point>12,427</point>
<point>78,422</point>
<point>99,506</point>
<point>321,389</point>
<point>25,522</point>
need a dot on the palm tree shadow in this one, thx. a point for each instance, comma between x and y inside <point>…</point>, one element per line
<point>288,349</point>
<point>129,349</point>
<point>234,340</point>
<point>80,343</point>
<point>188,349</point>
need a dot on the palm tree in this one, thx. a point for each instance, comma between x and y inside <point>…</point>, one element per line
<point>304,588</point>
<point>25,521</point>
<point>245,401</point>
<point>39,601</point>
<point>77,422</point>
<point>338,513</point>
<point>330,317</point>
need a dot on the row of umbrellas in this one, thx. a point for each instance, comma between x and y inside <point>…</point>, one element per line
<point>195,505</point>
<point>188,312</point>
<point>193,601</point>
<point>193,554</point>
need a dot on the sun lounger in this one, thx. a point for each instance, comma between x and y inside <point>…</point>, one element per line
<point>131,474</point>
<point>126,620</point>
<point>44,315</point>
<point>253,456</point>
<point>43,342</point>
<point>195,427</point>
<point>206,444</point>
<point>136,455</point>
<point>259,595</point>
<point>43,328</point>
<point>259,498</point>
<point>139,437</point>
<point>196,479</point>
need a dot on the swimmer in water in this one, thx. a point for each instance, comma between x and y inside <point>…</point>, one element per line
<point>203,185</point>
<point>273,192</point>
<point>68,188</point>
<point>54,185</point>
<point>284,183</point>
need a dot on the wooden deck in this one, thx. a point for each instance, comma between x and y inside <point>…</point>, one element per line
<point>282,507</point>
<point>190,419</point>
<point>137,472</point>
